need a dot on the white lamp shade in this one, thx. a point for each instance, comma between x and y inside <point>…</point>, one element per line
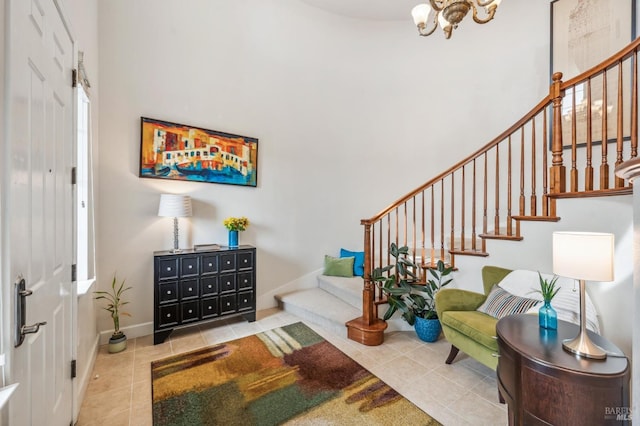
<point>583,255</point>
<point>172,205</point>
<point>420,14</point>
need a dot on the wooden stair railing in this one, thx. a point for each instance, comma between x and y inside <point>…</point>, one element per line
<point>518,176</point>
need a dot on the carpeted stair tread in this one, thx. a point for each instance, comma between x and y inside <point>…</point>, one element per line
<point>319,307</point>
<point>346,289</point>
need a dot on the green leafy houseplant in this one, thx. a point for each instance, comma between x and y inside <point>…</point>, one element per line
<point>114,305</point>
<point>402,289</point>
<point>548,288</point>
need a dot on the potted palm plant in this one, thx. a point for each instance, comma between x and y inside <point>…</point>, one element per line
<point>118,340</point>
<point>415,300</point>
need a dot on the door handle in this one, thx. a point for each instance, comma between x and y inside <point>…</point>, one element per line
<point>21,293</point>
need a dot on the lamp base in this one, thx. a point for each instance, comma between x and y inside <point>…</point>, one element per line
<point>582,346</point>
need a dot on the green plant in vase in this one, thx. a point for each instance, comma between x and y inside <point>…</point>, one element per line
<point>118,340</point>
<point>547,316</point>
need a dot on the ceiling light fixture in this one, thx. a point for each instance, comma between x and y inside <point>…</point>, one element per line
<point>449,13</point>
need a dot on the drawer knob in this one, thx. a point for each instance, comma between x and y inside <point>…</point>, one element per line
<point>168,268</point>
<point>246,281</point>
<point>210,307</point>
<point>190,289</point>
<point>168,291</point>
<point>210,264</point>
<point>190,311</point>
<point>228,303</point>
<point>168,315</point>
<point>245,261</point>
<point>245,300</point>
<point>209,286</point>
<point>190,266</point>
<point>228,262</point>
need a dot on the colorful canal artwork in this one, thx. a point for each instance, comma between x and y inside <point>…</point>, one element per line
<point>179,152</point>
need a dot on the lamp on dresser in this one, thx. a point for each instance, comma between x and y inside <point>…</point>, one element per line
<point>175,206</point>
<point>583,256</point>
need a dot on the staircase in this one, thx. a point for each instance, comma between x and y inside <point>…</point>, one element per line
<point>546,156</point>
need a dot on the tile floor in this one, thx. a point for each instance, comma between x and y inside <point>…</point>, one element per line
<point>464,393</point>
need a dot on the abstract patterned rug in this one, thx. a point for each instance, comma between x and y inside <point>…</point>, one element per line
<point>288,375</point>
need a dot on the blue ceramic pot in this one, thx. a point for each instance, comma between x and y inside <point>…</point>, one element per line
<point>428,330</point>
<point>233,238</point>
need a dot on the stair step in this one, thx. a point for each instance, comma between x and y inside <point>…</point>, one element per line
<point>500,235</point>
<point>627,190</point>
<point>348,290</point>
<point>469,252</point>
<point>537,218</point>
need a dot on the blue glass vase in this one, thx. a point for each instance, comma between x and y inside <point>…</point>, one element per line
<point>233,238</point>
<point>548,317</point>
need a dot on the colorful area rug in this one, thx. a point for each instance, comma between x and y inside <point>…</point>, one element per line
<point>288,375</point>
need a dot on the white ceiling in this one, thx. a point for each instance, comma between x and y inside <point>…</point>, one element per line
<point>382,10</point>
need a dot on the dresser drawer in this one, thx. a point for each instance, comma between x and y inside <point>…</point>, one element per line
<point>190,311</point>
<point>245,300</point>
<point>245,260</point>
<point>188,289</point>
<point>209,286</point>
<point>168,292</point>
<point>227,283</point>
<point>227,303</point>
<point>168,269</point>
<point>245,280</point>
<point>209,307</point>
<point>209,264</point>
<point>227,262</point>
<point>168,315</point>
<point>189,266</point>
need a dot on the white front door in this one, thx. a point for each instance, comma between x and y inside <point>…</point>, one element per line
<point>38,160</point>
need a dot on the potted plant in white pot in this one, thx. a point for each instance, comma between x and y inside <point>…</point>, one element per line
<point>406,294</point>
<point>118,340</point>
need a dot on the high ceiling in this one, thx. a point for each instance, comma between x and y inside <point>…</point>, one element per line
<point>385,10</point>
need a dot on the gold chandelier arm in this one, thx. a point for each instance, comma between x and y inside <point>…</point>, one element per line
<point>422,30</point>
<point>438,5</point>
<point>490,13</point>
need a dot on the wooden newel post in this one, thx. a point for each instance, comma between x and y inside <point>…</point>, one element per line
<point>558,172</point>
<point>368,293</point>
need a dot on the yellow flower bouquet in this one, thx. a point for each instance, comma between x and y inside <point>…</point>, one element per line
<point>236,223</point>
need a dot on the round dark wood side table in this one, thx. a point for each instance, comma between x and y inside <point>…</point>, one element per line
<point>545,385</point>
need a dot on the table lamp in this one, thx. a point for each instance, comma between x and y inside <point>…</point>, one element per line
<point>174,206</point>
<point>583,256</point>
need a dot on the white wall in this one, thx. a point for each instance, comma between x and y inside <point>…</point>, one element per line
<point>350,114</point>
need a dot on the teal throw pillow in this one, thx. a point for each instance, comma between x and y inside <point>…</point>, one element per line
<point>358,262</point>
<point>338,267</point>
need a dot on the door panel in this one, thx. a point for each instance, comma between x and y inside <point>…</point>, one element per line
<point>38,158</point>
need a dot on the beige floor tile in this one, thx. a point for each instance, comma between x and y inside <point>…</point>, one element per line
<point>118,419</point>
<point>477,410</point>
<point>245,328</point>
<point>218,335</point>
<point>427,357</point>
<point>187,343</point>
<point>399,371</point>
<point>488,389</point>
<point>461,375</point>
<point>105,404</point>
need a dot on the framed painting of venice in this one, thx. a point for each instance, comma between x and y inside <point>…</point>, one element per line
<point>179,152</point>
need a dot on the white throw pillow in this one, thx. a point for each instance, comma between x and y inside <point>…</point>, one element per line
<point>524,283</point>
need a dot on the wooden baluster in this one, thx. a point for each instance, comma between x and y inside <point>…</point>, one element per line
<point>588,171</point>
<point>620,139</point>
<point>414,229</point>
<point>509,189</point>
<point>534,198</point>
<point>406,216</point>
<point>496,217</point>
<point>484,203</point>
<point>574,143</point>
<point>423,245</point>
<point>453,205</point>
<point>545,196</point>
<point>634,107</point>
<point>433,225</point>
<point>442,219</point>
<point>604,165</point>
<point>521,211</point>
<point>473,210</point>
<point>462,215</point>
<point>558,170</point>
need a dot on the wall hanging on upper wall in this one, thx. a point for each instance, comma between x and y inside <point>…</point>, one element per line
<point>179,152</point>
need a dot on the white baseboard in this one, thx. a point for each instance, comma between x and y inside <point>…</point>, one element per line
<point>132,331</point>
<point>268,300</point>
<point>82,379</point>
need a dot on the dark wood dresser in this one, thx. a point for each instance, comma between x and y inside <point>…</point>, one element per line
<point>194,286</point>
<point>545,385</point>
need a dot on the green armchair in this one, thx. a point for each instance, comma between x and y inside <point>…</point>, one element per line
<point>466,329</point>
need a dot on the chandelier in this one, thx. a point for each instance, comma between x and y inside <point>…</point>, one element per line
<point>449,13</point>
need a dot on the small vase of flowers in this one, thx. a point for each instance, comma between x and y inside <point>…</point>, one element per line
<point>233,225</point>
<point>547,316</point>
